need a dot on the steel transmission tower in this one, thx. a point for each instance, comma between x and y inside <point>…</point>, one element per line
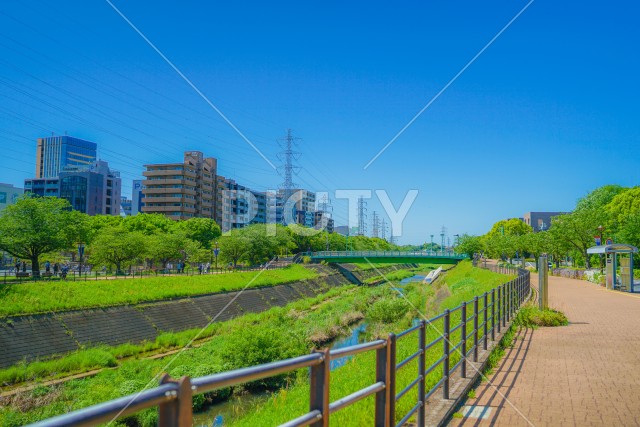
<point>375,232</point>
<point>383,229</point>
<point>443,232</point>
<point>362,216</point>
<point>287,156</point>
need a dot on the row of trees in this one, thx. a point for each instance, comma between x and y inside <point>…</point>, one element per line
<point>610,211</point>
<point>45,228</point>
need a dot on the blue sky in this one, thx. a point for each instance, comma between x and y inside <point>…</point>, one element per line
<point>547,113</point>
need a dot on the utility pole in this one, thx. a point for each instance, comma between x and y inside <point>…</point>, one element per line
<point>376,225</point>
<point>287,169</point>
<point>383,229</point>
<point>362,216</point>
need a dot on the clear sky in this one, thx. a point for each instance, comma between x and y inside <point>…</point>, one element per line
<point>546,113</point>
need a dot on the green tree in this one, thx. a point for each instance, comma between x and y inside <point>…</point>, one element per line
<point>623,207</point>
<point>576,230</point>
<point>234,247</point>
<point>37,225</point>
<point>469,245</point>
<point>599,198</point>
<point>117,247</point>
<point>149,224</point>
<point>201,230</point>
<point>167,247</point>
<point>509,227</point>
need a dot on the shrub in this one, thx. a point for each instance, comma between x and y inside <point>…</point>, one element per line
<point>257,345</point>
<point>532,317</point>
<point>388,310</point>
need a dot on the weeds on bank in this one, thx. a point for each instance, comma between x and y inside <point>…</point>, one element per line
<point>531,316</point>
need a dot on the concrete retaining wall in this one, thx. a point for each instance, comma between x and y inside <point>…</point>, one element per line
<point>25,338</point>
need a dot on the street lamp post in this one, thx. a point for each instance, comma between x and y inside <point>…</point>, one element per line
<point>216,251</point>
<point>601,229</point>
<point>80,256</point>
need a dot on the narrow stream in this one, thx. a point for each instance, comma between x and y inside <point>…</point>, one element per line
<point>216,414</point>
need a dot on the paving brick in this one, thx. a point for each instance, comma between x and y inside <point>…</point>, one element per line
<point>584,374</point>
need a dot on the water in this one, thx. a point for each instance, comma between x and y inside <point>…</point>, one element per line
<point>416,278</point>
<point>356,337</point>
<point>215,415</point>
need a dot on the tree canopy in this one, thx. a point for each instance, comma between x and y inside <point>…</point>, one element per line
<point>34,226</point>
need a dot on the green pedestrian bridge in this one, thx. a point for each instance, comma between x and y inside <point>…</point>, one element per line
<point>396,257</point>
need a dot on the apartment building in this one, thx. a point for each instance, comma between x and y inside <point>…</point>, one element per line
<point>181,190</point>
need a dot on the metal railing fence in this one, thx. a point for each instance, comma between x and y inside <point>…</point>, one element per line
<point>397,254</point>
<point>465,330</point>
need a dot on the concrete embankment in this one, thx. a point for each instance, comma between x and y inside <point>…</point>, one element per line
<point>26,338</point>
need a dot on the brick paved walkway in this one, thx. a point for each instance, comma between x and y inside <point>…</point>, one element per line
<point>585,374</point>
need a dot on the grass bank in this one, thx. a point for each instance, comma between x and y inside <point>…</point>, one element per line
<point>275,334</point>
<point>278,333</point>
<point>459,284</point>
<point>42,297</point>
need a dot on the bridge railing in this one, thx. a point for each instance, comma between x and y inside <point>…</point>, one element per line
<point>373,254</point>
<point>457,342</point>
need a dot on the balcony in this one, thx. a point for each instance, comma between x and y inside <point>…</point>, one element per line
<point>152,190</point>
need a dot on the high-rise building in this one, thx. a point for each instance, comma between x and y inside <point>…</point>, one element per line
<point>181,190</point>
<point>236,205</point>
<point>8,195</point>
<point>54,153</point>
<point>137,198</point>
<point>94,189</point>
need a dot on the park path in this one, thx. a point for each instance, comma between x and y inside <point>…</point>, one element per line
<point>584,374</point>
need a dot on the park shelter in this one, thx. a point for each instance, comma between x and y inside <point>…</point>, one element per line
<point>612,261</point>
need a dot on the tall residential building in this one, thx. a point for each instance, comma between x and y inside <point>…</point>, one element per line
<point>236,205</point>
<point>54,153</point>
<point>8,195</point>
<point>181,190</point>
<point>94,189</point>
<point>137,198</point>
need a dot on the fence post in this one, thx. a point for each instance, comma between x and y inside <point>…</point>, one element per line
<point>486,326</point>
<point>475,329</point>
<point>504,306</point>
<point>497,311</point>
<point>509,304</point>
<point>463,336</point>
<point>392,379</point>
<point>177,412</point>
<point>493,314</point>
<point>445,362</point>
<point>383,359</point>
<point>319,389</point>
<point>422,342</point>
